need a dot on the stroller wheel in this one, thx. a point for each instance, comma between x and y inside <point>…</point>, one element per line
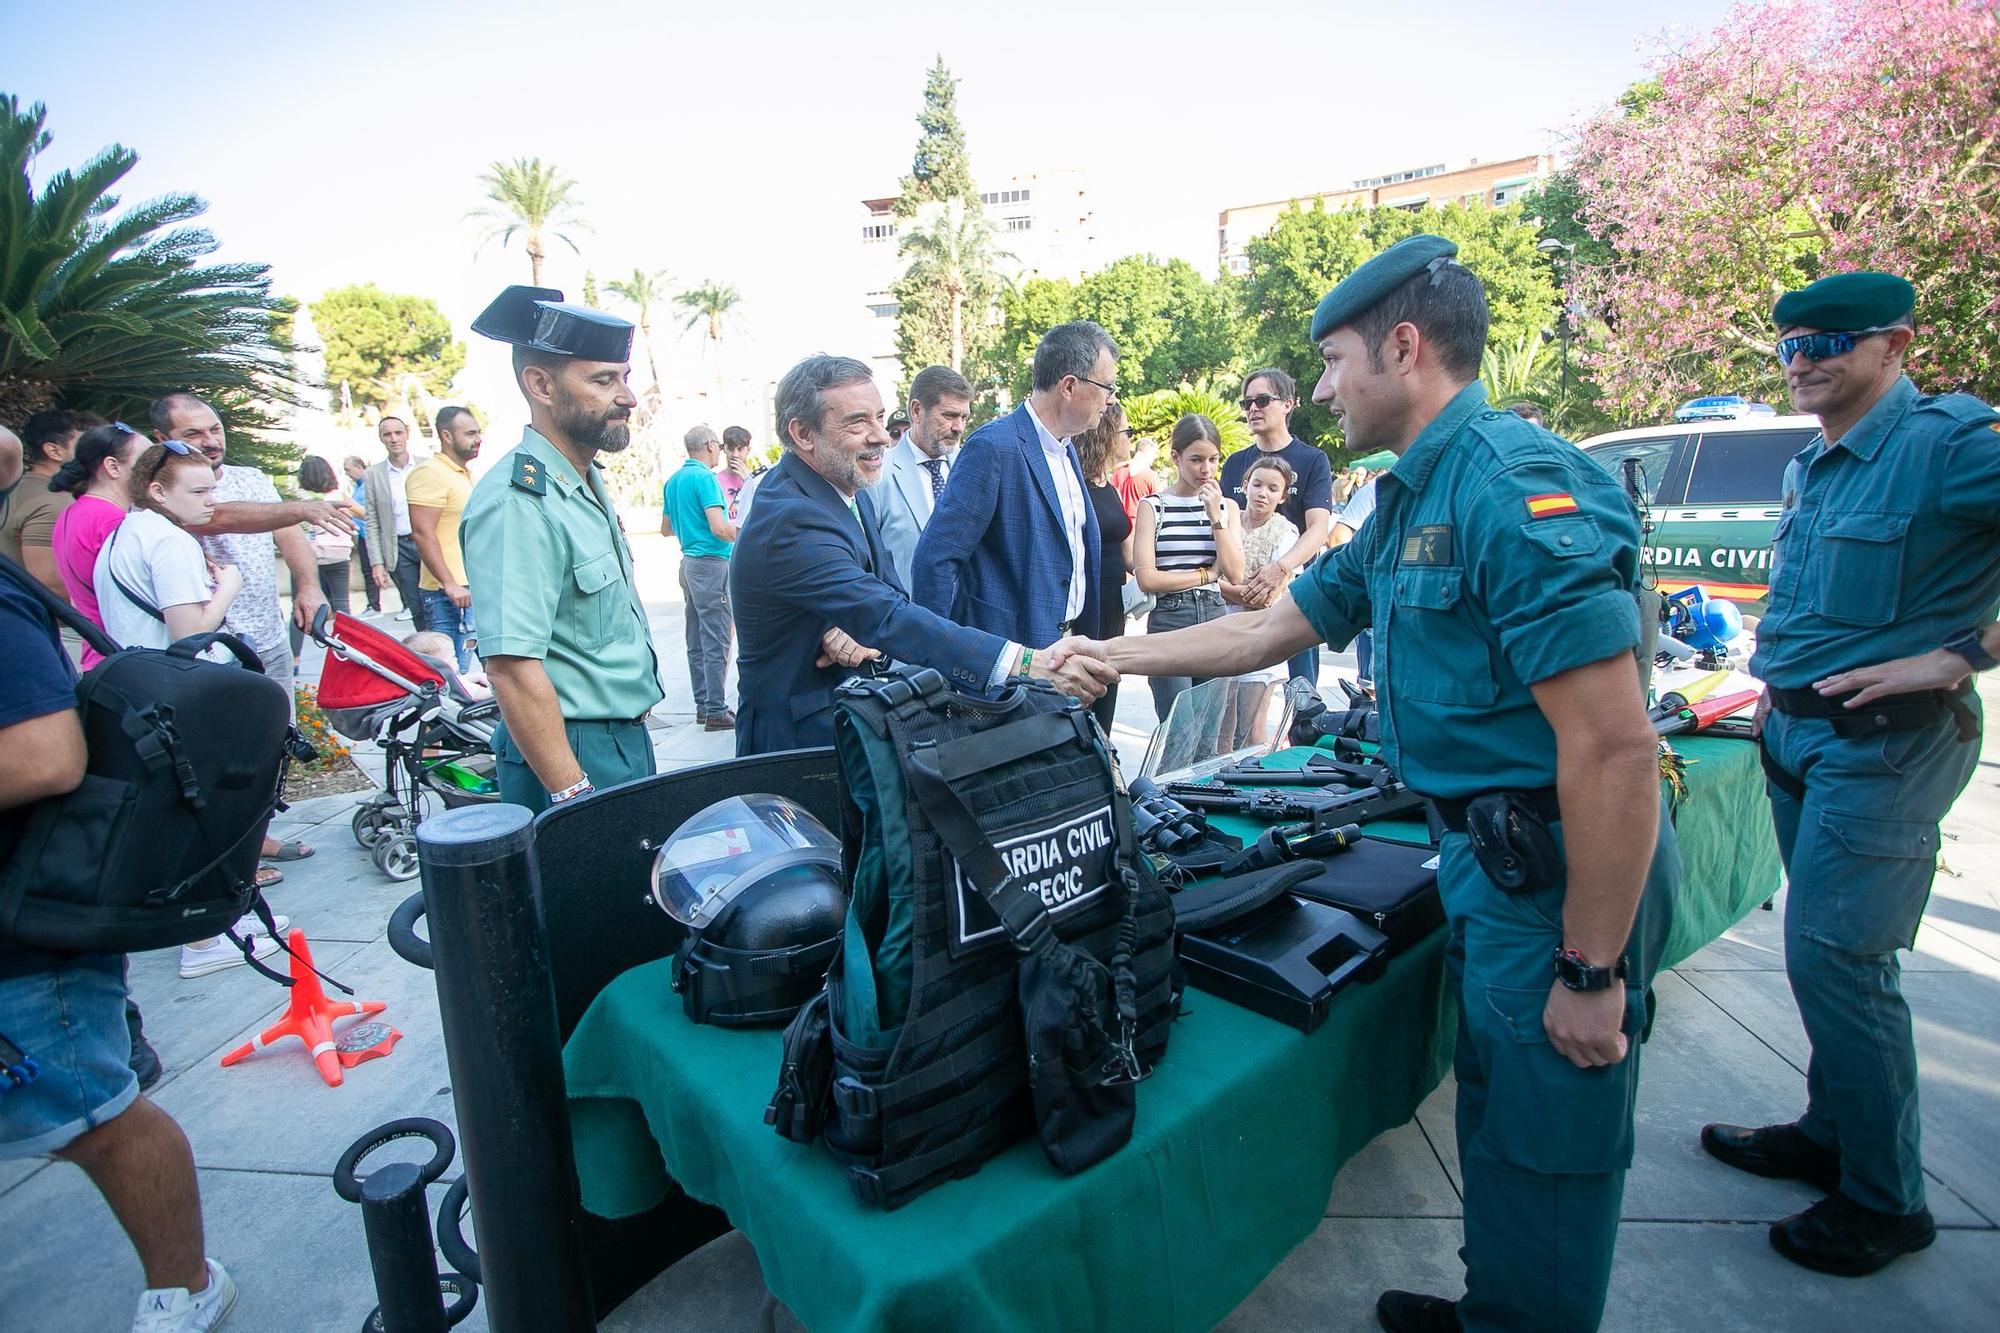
<point>396,856</point>
<point>372,823</point>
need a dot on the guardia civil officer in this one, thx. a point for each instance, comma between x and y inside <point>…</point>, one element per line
<point>562,631</point>
<point>1888,546</point>
<point>1497,575</point>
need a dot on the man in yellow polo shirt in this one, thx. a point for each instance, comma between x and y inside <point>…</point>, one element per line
<point>437,493</point>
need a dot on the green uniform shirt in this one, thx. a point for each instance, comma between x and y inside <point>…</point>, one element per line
<point>552,577</point>
<point>1890,540</point>
<point>1498,555</point>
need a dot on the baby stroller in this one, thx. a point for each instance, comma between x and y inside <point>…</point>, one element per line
<point>436,738</point>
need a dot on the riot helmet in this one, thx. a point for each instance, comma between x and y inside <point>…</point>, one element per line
<point>757,883</point>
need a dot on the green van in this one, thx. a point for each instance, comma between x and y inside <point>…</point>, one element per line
<point>1713,490</point>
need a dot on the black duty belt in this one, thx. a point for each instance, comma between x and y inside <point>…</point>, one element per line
<point>1896,712</point>
<point>1449,814</point>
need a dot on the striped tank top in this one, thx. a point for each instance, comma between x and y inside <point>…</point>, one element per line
<point>1182,538</point>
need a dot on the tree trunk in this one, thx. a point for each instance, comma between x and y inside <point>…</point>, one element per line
<point>958,332</point>
<point>535,259</point>
<point>715,332</point>
<point>652,363</point>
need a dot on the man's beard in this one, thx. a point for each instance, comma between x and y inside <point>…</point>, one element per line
<point>607,434</point>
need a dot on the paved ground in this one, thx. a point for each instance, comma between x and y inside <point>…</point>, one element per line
<point>1692,1254</point>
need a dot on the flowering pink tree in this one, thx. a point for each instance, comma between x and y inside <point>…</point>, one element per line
<point>1803,137</point>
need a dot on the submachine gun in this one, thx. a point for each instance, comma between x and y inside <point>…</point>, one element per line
<point>1322,806</point>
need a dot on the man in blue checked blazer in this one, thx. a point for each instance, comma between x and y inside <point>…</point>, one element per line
<point>1012,547</point>
<point>814,591</point>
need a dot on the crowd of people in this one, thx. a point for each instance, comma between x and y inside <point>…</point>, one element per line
<point>1500,563</point>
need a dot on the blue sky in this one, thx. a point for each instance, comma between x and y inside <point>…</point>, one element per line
<point>731,140</point>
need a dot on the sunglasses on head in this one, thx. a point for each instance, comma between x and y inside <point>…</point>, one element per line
<point>1260,401</point>
<point>1821,346</point>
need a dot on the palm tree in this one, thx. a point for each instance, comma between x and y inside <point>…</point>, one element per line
<point>103,313</point>
<point>704,306</point>
<point>643,291</point>
<point>534,198</point>
<point>954,253</point>
<point>1523,372</point>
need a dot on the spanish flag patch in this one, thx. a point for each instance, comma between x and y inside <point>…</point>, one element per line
<point>1548,506</point>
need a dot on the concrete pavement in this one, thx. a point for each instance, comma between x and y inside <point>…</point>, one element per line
<point>1693,1252</point>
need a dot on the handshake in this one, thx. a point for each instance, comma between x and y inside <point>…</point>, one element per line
<point>1077,666</point>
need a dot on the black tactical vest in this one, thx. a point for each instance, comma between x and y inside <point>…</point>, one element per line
<point>928,1072</point>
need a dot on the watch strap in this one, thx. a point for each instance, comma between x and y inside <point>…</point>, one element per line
<point>1970,644</point>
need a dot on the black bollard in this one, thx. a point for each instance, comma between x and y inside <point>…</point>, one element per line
<point>397,1219</point>
<point>497,1002</point>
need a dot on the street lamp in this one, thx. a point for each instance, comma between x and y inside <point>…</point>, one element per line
<point>1551,246</point>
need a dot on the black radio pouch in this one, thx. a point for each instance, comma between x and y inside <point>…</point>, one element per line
<point>1513,843</point>
<point>1082,1077</point>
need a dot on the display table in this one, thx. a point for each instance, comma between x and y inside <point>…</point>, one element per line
<point>1240,1133</point>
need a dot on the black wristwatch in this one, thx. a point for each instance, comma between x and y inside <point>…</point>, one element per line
<point>1970,645</point>
<point>1574,972</point>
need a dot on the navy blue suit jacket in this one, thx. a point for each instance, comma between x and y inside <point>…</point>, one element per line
<point>995,554</point>
<point>801,566</point>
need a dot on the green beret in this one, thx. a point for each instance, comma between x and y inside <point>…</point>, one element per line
<point>1367,285</point>
<point>1846,303</point>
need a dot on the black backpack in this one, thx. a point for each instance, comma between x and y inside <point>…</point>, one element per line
<point>159,844</point>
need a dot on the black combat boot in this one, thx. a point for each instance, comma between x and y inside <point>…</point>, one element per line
<point>1839,1236</point>
<point>1411,1312</point>
<point>1782,1152</point>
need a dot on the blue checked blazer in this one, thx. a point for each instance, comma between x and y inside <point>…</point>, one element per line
<point>995,555</point>
<point>802,565</point>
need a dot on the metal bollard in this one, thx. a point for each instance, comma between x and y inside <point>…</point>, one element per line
<point>497,1002</point>
<point>395,1216</point>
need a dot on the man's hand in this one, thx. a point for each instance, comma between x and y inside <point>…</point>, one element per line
<point>380,573</point>
<point>1758,714</point>
<point>1264,586</point>
<point>1585,1026</point>
<point>306,601</point>
<point>329,514</point>
<point>1075,666</point>
<point>461,596</point>
<point>1934,670</point>
<point>838,648</point>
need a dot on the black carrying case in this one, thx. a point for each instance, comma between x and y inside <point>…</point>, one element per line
<point>1388,885</point>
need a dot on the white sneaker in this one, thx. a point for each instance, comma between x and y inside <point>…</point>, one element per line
<point>177,1310</point>
<point>403,615</point>
<point>199,960</point>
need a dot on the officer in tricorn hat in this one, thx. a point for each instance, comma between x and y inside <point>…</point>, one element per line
<point>565,641</point>
<point>1497,573</point>
<point>1884,576</point>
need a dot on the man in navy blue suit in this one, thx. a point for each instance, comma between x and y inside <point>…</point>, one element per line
<point>814,591</point>
<point>1012,547</point>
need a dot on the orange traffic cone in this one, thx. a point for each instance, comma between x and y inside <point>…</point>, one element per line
<point>309,1017</point>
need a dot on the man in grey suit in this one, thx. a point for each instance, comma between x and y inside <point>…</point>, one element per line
<point>940,406</point>
<point>392,550</point>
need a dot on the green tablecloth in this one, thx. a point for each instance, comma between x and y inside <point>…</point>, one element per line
<point>1241,1131</point>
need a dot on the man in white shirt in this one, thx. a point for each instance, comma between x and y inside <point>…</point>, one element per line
<point>392,547</point>
<point>919,463</point>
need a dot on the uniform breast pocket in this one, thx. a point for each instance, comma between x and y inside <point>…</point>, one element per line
<point>1436,654</point>
<point>1858,568</point>
<point>597,599</point>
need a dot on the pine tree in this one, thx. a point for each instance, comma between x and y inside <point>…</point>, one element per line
<point>940,170</point>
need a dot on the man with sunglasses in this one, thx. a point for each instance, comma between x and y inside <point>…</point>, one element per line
<point>1889,542</point>
<point>1011,547</point>
<point>1268,398</point>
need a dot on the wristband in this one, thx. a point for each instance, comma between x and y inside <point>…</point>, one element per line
<point>1970,644</point>
<point>581,787</point>
<point>1027,660</point>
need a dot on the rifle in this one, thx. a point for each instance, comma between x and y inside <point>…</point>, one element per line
<point>1319,805</point>
<point>1319,770</point>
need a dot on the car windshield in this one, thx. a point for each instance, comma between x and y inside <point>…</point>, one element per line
<point>1743,467</point>
<point>1653,453</point>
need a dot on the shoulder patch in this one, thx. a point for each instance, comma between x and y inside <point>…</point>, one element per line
<point>528,475</point>
<point>1551,503</point>
<point>1962,407</point>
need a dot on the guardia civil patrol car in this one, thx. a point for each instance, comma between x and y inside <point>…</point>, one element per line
<point>1712,484</point>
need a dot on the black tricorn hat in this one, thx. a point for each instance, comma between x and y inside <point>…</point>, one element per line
<point>539,318</point>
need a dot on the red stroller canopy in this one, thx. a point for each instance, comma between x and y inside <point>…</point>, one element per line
<point>357,680</point>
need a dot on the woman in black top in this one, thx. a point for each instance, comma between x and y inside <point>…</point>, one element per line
<point>1102,450</point>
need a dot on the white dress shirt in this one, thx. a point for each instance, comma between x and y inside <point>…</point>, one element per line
<point>1056,453</point>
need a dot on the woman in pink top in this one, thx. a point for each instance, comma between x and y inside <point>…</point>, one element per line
<point>97,475</point>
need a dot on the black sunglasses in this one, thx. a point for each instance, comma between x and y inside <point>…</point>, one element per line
<point>1260,401</point>
<point>1821,346</point>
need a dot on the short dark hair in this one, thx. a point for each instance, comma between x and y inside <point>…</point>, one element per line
<point>1282,383</point>
<point>1070,349</point>
<point>735,437</point>
<point>161,414</point>
<point>447,417</point>
<point>529,356</point>
<point>49,426</point>
<point>801,394</point>
<point>934,382</point>
<point>1447,307</point>
<point>316,475</point>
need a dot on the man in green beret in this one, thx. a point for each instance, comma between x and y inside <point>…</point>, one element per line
<point>566,642</point>
<point>1885,574</point>
<point>1497,574</point>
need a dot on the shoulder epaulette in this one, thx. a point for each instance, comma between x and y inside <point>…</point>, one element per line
<point>528,474</point>
<point>1961,407</point>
